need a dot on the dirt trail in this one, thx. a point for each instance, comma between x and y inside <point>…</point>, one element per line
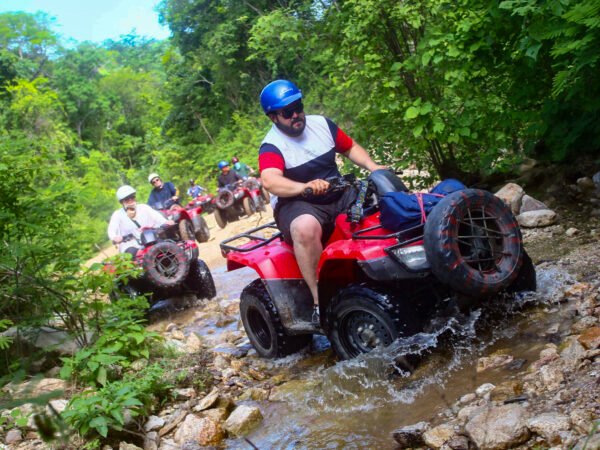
<point>210,251</point>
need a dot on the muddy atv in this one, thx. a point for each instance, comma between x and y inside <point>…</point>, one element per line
<point>238,199</point>
<point>190,223</point>
<point>169,268</point>
<point>376,285</point>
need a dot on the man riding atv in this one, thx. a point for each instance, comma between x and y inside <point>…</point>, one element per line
<point>130,219</point>
<point>299,153</point>
<point>163,195</point>
<point>227,176</point>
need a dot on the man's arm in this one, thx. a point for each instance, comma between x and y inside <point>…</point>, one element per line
<point>274,181</point>
<point>151,201</point>
<point>361,158</point>
<point>113,229</point>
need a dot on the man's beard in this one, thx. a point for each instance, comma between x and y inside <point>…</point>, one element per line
<point>290,130</point>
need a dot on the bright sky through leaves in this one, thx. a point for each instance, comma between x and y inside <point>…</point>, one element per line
<point>96,20</point>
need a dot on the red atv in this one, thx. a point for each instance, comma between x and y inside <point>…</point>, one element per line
<point>376,285</point>
<point>170,268</point>
<point>241,198</point>
<point>190,223</point>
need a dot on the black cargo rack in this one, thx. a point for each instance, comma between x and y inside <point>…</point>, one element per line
<point>251,236</point>
<point>404,237</point>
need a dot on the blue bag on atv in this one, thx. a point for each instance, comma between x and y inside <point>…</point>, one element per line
<point>402,210</point>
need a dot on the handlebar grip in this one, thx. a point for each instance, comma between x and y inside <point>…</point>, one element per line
<point>307,191</point>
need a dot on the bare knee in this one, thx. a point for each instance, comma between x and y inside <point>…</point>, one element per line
<point>305,229</point>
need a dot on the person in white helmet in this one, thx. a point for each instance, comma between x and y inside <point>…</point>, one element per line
<point>163,195</point>
<point>130,219</point>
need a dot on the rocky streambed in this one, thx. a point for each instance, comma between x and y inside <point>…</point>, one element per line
<point>519,374</point>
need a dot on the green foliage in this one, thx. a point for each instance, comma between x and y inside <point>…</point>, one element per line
<point>96,412</point>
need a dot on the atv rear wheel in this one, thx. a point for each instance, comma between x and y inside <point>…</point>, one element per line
<point>200,280</point>
<point>249,207</point>
<point>186,230</point>
<point>473,243</point>
<point>361,320</point>
<point>263,325</point>
<point>220,218</point>
<point>165,265</point>
<point>265,194</point>
<point>201,231</point>
<point>225,199</point>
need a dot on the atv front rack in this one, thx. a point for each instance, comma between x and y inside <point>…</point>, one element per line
<point>251,235</point>
<point>404,237</point>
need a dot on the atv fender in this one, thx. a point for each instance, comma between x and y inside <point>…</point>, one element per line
<point>273,261</point>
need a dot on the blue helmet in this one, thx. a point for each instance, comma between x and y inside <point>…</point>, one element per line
<point>223,164</point>
<point>278,94</point>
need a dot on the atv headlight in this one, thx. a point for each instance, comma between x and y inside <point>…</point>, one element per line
<point>412,257</point>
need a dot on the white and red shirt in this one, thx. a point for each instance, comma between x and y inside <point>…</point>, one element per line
<point>307,157</point>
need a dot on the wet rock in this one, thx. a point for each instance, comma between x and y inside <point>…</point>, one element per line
<point>13,436</point>
<point>511,194</point>
<point>531,204</point>
<point>242,420</point>
<point>590,338</point>
<point>291,389</point>
<point>223,321</point>
<point>583,324</point>
<point>438,436</point>
<point>500,427</point>
<point>178,335</point>
<point>572,232</point>
<point>203,430</point>
<point>151,441</point>
<point>468,412</point>
<point>468,398</point>
<point>538,218</point>
<point>506,391</point>
<point>484,389</point>
<point>209,401</point>
<point>549,426</point>
<point>411,436</point>
<point>256,394</point>
<point>154,423</point>
<point>493,362</point>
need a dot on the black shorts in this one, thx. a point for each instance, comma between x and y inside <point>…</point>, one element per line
<point>286,212</point>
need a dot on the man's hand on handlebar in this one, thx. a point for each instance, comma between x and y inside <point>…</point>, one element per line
<point>315,187</point>
<point>117,239</point>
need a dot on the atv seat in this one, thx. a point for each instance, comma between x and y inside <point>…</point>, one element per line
<point>386,181</point>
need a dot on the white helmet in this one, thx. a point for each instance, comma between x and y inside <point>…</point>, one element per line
<point>152,176</point>
<point>124,192</point>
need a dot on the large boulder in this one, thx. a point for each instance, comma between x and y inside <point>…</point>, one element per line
<point>511,194</point>
<point>549,426</point>
<point>438,436</point>
<point>499,427</point>
<point>531,204</point>
<point>243,419</point>
<point>538,218</point>
<point>411,436</point>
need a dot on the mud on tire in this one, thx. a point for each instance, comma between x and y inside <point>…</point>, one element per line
<point>186,230</point>
<point>201,231</point>
<point>220,218</point>
<point>224,199</point>
<point>263,325</point>
<point>200,280</point>
<point>473,243</point>
<point>165,265</point>
<point>248,205</point>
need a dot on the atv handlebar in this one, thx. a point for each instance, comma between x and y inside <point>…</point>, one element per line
<point>336,184</point>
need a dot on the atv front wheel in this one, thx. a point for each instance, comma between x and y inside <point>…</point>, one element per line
<point>165,265</point>
<point>263,325</point>
<point>201,231</point>
<point>248,205</point>
<point>186,230</point>
<point>220,218</point>
<point>200,280</point>
<point>473,243</point>
<point>362,319</point>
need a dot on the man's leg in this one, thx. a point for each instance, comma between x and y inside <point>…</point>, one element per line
<point>306,235</point>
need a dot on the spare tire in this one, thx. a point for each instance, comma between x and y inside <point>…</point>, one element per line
<point>225,199</point>
<point>473,243</point>
<point>165,264</point>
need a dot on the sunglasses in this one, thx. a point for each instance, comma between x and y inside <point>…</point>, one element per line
<point>155,180</point>
<point>287,113</point>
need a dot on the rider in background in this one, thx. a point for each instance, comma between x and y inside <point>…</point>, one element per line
<point>163,195</point>
<point>298,153</point>
<point>130,218</point>
<point>242,169</point>
<point>227,176</point>
<point>194,190</point>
